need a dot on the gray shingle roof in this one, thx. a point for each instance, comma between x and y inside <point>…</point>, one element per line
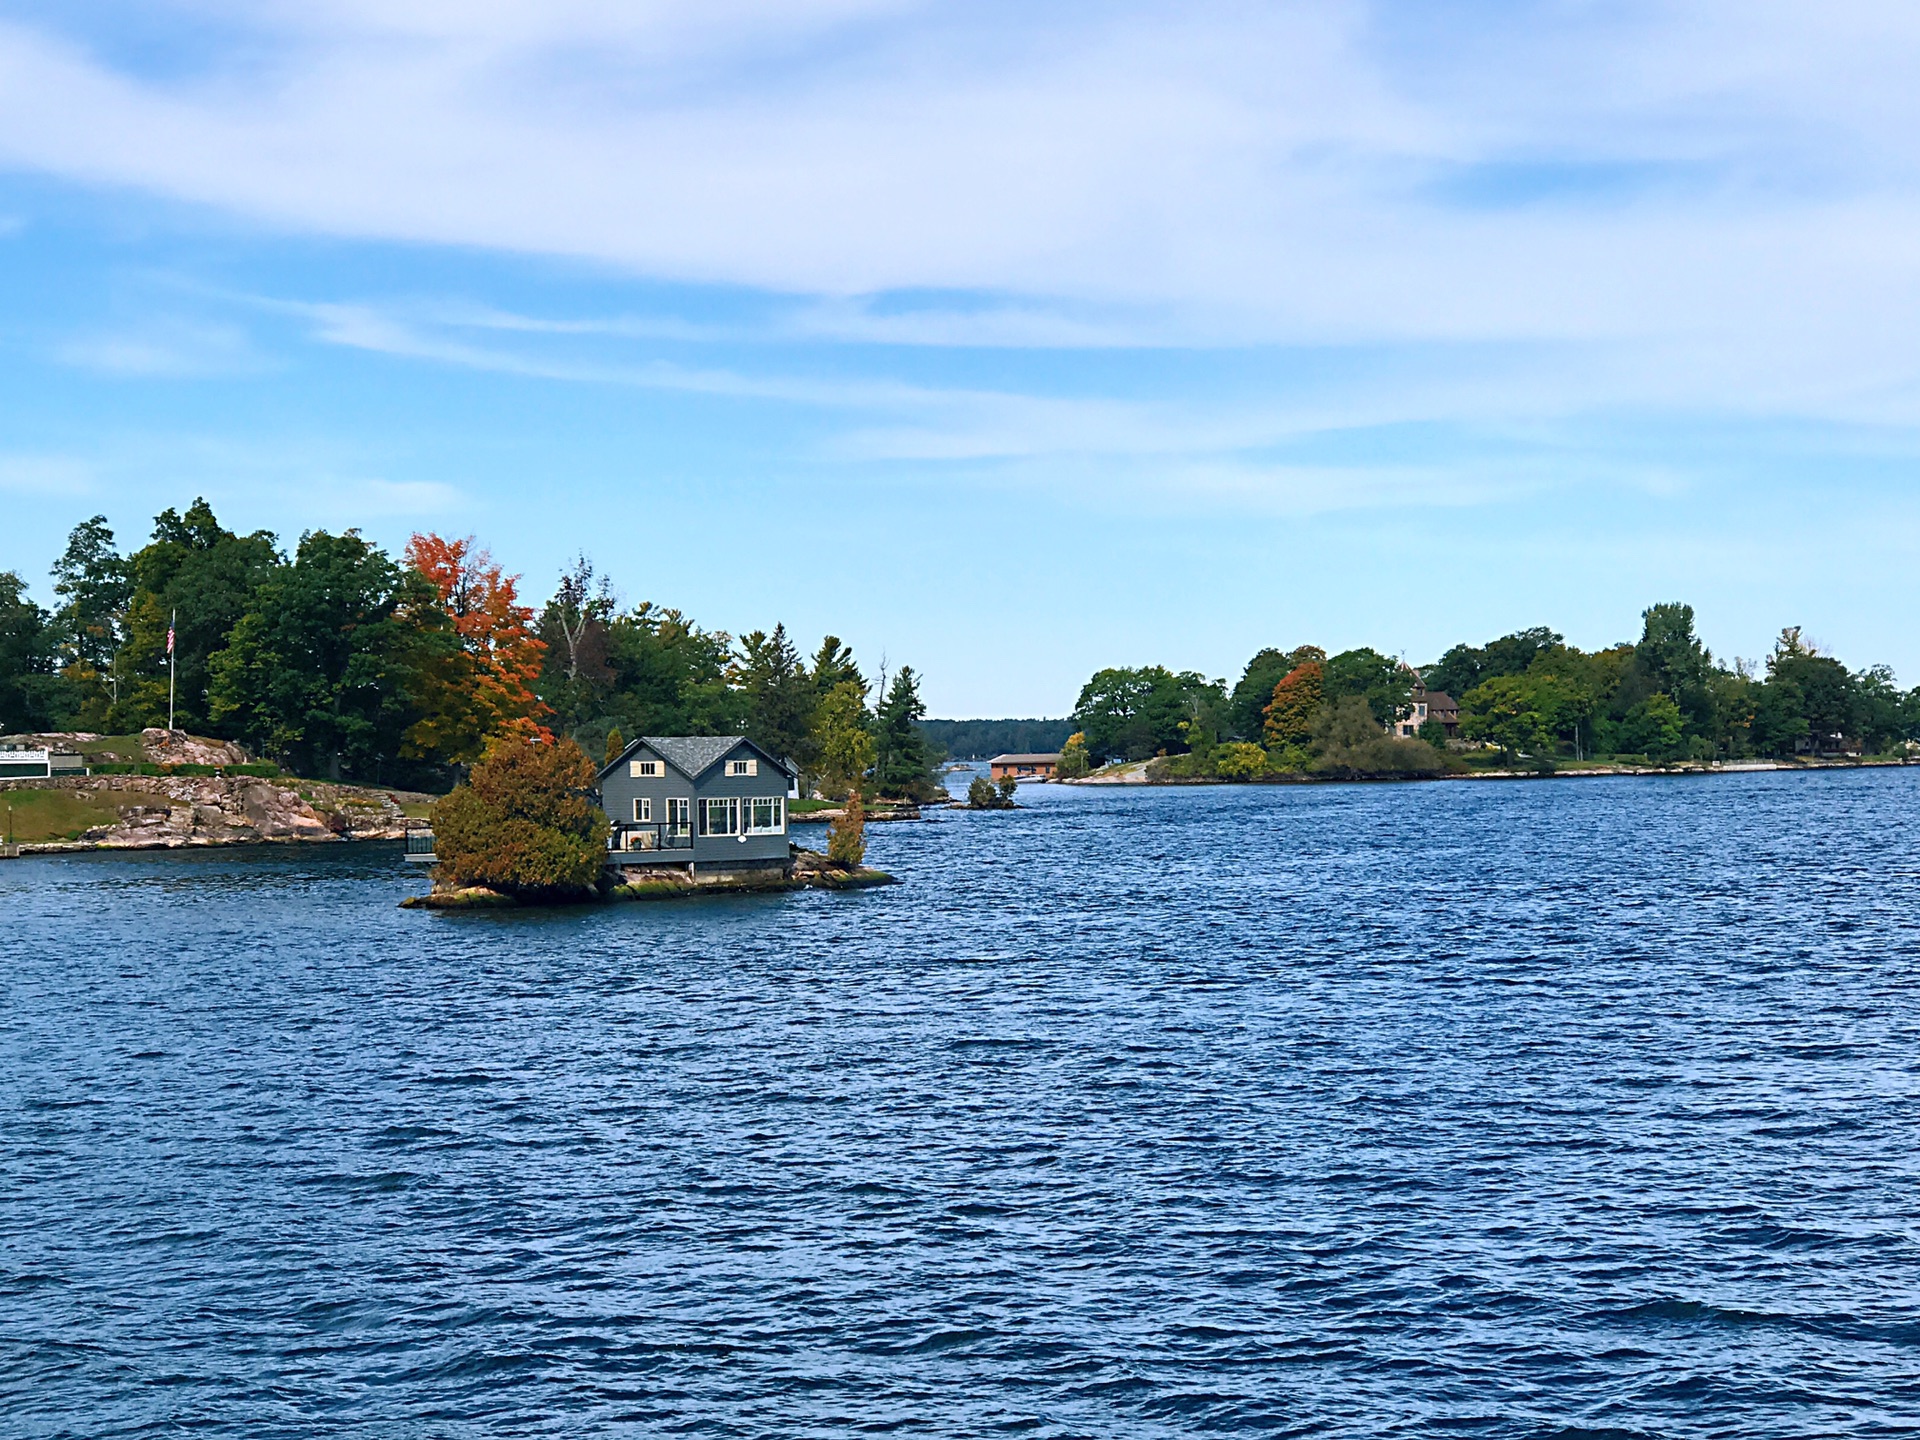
<point>691,753</point>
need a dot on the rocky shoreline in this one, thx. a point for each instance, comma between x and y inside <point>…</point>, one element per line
<point>165,812</point>
<point>811,871</point>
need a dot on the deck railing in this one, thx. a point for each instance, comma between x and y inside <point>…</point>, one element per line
<point>637,839</point>
<point>419,846</point>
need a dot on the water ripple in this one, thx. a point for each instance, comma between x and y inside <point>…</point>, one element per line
<point>1567,1110</point>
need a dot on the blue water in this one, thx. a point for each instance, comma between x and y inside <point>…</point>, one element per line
<point>1582,1108</point>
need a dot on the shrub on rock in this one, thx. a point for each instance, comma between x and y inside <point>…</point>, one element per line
<point>525,823</point>
<point>847,836</point>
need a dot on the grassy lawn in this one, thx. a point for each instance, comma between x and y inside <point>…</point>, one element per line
<point>42,815</point>
<point>808,807</point>
<point>111,748</point>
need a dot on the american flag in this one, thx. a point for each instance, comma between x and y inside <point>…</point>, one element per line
<point>170,620</point>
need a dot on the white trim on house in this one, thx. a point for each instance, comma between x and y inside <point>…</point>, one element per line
<point>643,810</point>
<point>727,807</point>
<point>766,815</point>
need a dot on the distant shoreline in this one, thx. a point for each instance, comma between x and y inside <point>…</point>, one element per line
<point>1134,773</point>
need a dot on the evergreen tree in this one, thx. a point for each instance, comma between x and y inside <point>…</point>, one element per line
<point>779,694</point>
<point>616,743</point>
<point>902,766</point>
<point>833,665</point>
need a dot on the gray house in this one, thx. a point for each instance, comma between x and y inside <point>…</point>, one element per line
<point>709,804</point>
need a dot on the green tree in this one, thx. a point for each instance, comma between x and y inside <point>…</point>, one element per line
<point>650,671</point>
<point>1519,713</point>
<point>1132,714</point>
<point>980,793</point>
<point>1466,666</point>
<point>779,695</point>
<point>95,584</point>
<point>1239,760</point>
<point>1383,682</point>
<point>1812,701</point>
<point>842,738</point>
<point>833,666</point>
<point>577,676</point>
<point>1654,727</point>
<point>1879,710</point>
<point>902,766</point>
<point>31,696</point>
<point>616,745</point>
<point>1348,740</point>
<point>1670,660</point>
<point>1247,706</point>
<point>327,671</point>
<point>209,577</point>
<point>524,824</point>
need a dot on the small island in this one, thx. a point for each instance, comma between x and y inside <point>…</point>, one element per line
<point>666,817</point>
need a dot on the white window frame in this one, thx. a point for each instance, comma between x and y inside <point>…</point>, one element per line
<point>743,767</point>
<point>753,806</point>
<point>643,810</point>
<point>644,769</point>
<point>680,814</point>
<point>728,805</point>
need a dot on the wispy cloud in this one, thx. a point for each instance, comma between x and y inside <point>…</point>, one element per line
<point>1331,171</point>
<point>172,349</point>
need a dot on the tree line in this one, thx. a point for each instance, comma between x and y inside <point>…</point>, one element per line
<point>1660,699</point>
<point>343,661</point>
<point>983,739</point>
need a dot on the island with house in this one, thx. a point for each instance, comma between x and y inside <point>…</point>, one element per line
<point>668,815</point>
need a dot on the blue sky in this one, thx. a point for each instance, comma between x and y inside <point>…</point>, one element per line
<point>1003,344</point>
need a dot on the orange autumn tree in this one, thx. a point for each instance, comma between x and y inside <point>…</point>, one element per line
<point>496,638</point>
<point>1296,700</point>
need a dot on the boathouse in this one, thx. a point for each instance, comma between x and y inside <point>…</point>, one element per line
<point>1023,767</point>
<point>705,804</point>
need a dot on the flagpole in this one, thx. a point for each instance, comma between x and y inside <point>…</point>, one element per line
<point>172,668</point>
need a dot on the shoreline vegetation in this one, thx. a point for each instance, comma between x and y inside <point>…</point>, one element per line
<point>1524,705</point>
<point>1146,773</point>
<point>339,660</point>
<point>419,671</point>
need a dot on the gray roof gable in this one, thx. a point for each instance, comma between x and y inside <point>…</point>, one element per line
<point>693,755</point>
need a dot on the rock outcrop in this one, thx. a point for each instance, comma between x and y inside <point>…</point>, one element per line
<point>176,747</point>
<point>167,811</point>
